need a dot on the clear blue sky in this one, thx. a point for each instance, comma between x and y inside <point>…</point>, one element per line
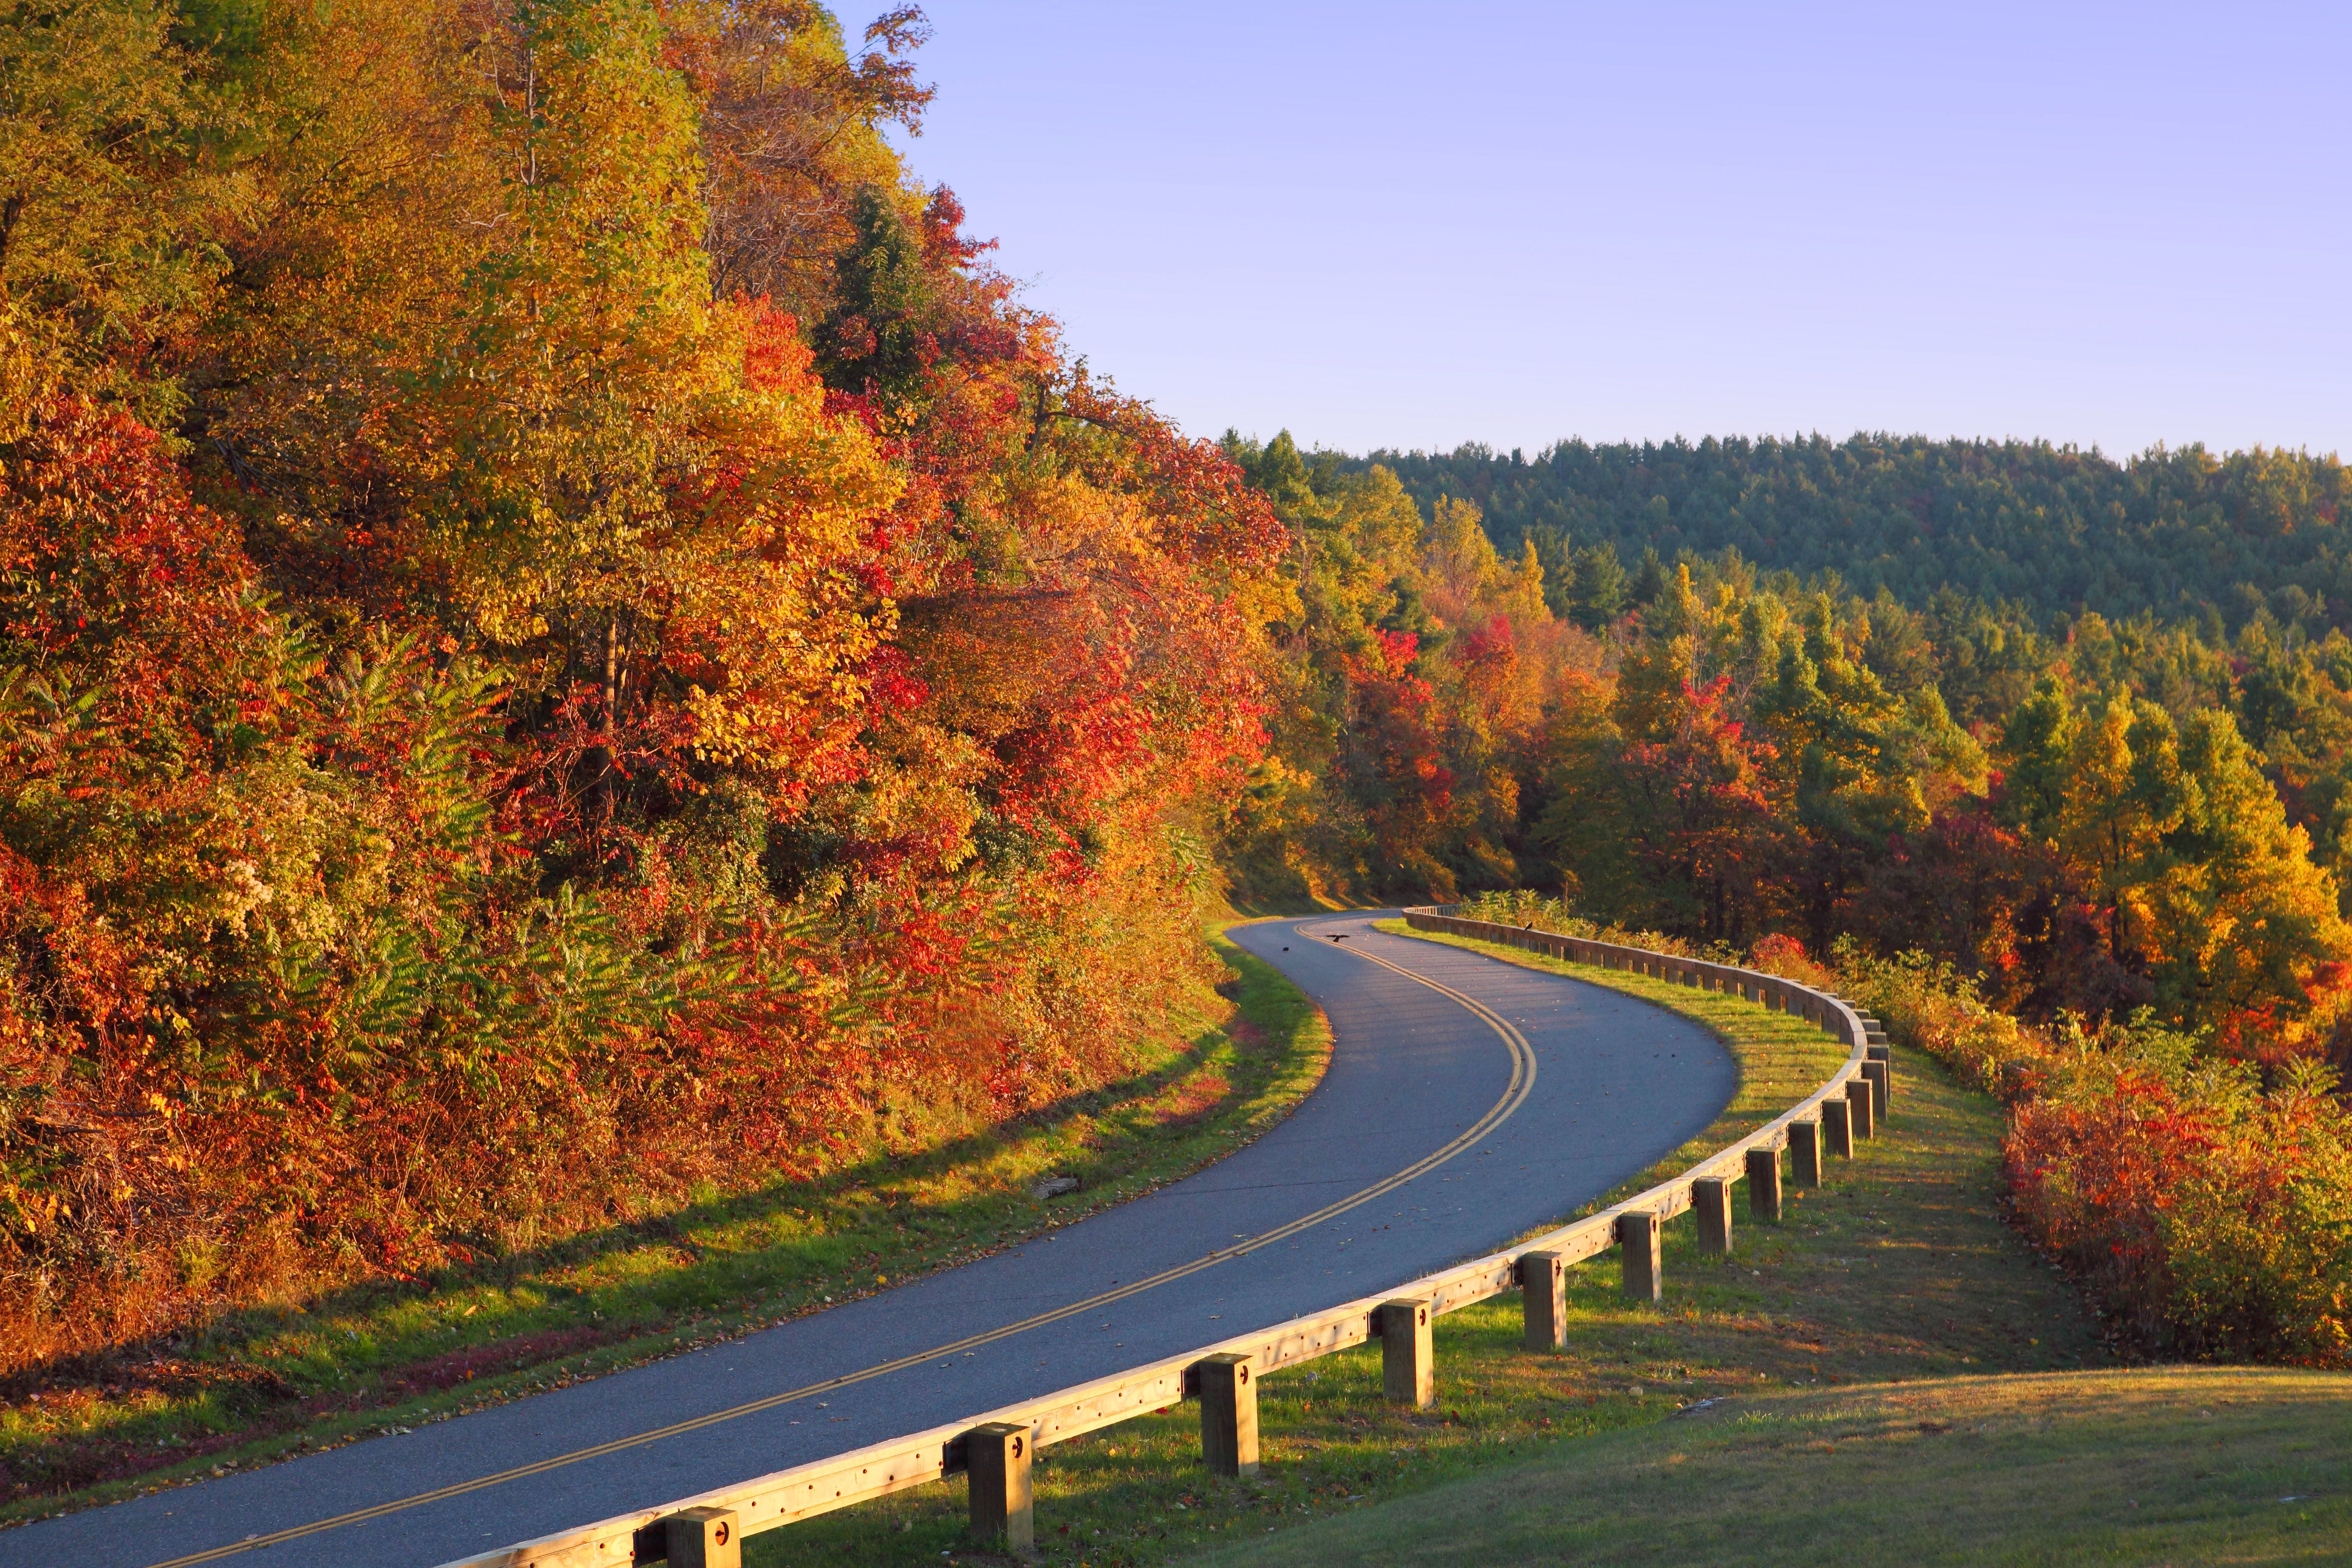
<point>1417,225</point>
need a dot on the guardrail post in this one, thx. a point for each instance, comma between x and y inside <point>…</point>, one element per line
<point>1543,1298</point>
<point>703,1538</point>
<point>1711,1199</point>
<point>1859,1095</point>
<point>1408,1370</point>
<point>1638,1240</point>
<point>996,1457</point>
<point>1837,1128</point>
<point>1805,1153</point>
<point>1882,1088</point>
<point>1228,1415</point>
<point>1764,1185</point>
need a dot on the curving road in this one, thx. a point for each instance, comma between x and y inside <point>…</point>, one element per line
<point>1433,1138</point>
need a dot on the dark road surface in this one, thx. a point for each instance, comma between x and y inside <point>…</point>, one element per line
<point>1617,1084</point>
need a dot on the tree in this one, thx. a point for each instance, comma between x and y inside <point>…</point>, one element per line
<point>1599,592</point>
<point>104,203</point>
<point>2245,930</point>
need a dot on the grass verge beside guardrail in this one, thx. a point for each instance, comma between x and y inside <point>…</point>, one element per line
<point>1898,1268</point>
<point>261,1386</point>
<point>2161,1466</point>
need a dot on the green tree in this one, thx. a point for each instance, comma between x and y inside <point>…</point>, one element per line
<point>1599,594</point>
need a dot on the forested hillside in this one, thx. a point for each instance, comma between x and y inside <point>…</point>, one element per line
<point>2185,535</point>
<point>566,641</point>
<point>2117,816</point>
<point>561,639</point>
<point>2098,865</point>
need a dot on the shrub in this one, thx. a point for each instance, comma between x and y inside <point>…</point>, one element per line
<point>1530,910</point>
<point>2207,1215</point>
<point>1926,1005</point>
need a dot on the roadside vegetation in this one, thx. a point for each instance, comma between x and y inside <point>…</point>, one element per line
<point>264,1383</point>
<point>1898,1271</point>
<point>2178,1465</point>
<point>2204,1202</point>
<point>568,650</point>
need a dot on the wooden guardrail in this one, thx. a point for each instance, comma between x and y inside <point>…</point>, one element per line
<point>995,1449</point>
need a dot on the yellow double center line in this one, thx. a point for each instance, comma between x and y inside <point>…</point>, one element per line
<point>1514,1094</point>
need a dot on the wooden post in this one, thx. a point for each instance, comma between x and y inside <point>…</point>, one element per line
<point>1837,1129</point>
<point>1543,1298</point>
<point>1805,1153</point>
<point>1858,1094</point>
<point>1228,1415</point>
<point>1408,1372</point>
<point>1764,1185</point>
<point>1882,1088</point>
<point>1638,1240</point>
<point>996,1457</point>
<point>1711,1200</point>
<point>703,1538</point>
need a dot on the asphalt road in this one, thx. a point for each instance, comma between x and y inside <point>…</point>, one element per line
<point>1616,1085</point>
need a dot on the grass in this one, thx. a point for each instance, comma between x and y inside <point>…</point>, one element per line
<point>2175,1465</point>
<point>1898,1272</point>
<point>260,1385</point>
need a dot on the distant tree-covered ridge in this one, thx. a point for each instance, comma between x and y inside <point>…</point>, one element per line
<point>2181,534</point>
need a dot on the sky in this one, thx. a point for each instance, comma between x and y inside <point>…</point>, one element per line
<point>1399,226</point>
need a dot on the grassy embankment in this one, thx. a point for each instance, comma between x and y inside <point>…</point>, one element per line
<point>2155,1465</point>
<point>2169,1465</point>
<point>258,1385</point>
<point>1900,1270</point>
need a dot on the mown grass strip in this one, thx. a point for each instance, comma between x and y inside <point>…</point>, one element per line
<point>2158,1465</point>
<point>1899,1269</point>
<point>263,1385</point>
